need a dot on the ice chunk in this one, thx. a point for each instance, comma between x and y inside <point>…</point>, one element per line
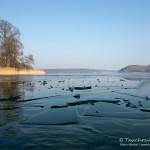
<point>54,117</point>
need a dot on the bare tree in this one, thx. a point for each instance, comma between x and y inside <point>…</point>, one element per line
<point>27,61</point>
<point>11,48</point>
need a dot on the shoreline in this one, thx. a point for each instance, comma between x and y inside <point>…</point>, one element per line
<point>14,71</point>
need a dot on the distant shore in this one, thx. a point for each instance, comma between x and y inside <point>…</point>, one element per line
<point>14,71</point>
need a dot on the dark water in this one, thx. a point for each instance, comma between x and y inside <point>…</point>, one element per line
<point>40,112</point>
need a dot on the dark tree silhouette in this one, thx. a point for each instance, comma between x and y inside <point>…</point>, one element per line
<point>11,48</point>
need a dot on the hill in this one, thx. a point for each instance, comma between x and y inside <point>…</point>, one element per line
<point>136,68</point>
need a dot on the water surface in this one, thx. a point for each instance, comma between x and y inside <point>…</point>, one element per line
<point>40,112</point>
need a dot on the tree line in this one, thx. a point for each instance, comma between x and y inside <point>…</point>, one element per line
<point>11,48</point>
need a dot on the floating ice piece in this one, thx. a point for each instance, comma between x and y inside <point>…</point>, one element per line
<point>108,107</point>
<point>113,110</point>
<point>33,99</point>
<point>54,117</point>
<point>145,109</point>
<point>10,98</point>
<point>83,88</point>
<point>83,102</point>
<point>77,96</point>
<point>128,115</point>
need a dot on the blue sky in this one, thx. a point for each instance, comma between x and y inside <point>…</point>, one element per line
<point>99,34</point>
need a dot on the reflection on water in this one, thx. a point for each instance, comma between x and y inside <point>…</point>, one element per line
<point>110,110</point>
<point>9,89</point>
<point>9,116</point>
<point>15,86</point>
<point>12,88</point>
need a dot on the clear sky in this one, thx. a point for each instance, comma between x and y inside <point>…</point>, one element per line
<point>99,34</point>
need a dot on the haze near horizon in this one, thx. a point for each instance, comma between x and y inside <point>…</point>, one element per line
<point>98,34</point>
